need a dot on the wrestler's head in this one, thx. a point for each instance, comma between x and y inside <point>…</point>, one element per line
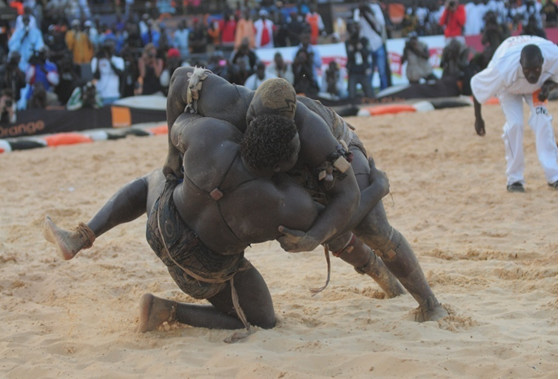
<point>531,62</point>
<point>274,96</point>
<point>270,144</point>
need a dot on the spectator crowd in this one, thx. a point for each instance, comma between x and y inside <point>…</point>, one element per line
<point>58,53</point>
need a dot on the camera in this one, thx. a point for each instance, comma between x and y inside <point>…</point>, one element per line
<point>89,95</point>
<point>38,57</point>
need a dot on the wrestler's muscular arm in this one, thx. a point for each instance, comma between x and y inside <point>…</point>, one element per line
<point>217,98</point>
<point>317,142</point>
<point>378,187</point>
<point>176,102</point>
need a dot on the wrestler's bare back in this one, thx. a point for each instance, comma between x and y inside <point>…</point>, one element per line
<point>223,100</point>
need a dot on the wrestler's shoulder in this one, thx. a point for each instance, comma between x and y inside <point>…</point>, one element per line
<point>216,129</point>
<point>182,72</point>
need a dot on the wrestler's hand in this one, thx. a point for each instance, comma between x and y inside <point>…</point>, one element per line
<point>479,126</point>
<point>295,241</point>
<point>545,90</point>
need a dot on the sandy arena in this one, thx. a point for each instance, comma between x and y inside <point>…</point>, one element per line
<point>490,256</point>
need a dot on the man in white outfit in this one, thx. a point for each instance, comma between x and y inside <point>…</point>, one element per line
<point>523,68</point>
<point>264,31</point>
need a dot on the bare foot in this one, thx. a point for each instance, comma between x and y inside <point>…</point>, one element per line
<point>154,312</point>
<point>68,243</point>
<point>430,312</point>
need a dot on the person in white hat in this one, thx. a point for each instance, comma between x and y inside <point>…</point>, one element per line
<point>264,35</point>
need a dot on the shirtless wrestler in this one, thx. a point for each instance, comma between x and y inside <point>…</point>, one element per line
<point>327,142</point>
<point>195,228</point>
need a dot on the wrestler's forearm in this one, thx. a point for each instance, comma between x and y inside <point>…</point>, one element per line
<point>336,216</point>
<point>173,162</point>
<point>175,107</point>
<point>370,196</point>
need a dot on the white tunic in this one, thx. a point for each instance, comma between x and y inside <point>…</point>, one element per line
<point>504,78</point>
<point>504,73</point>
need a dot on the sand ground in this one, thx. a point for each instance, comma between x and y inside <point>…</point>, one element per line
<point>490,256</point>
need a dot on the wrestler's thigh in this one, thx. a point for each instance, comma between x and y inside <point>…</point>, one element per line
<point>156,182</point>
<point>254,298</point>
<point>361,167</point>
<point>375,225</point>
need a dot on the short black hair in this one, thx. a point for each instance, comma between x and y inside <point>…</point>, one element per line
<point>266,141</point>
<point>532,56</point>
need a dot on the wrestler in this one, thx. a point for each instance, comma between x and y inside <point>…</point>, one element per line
<point>195,228</point>
<point>327,144</point>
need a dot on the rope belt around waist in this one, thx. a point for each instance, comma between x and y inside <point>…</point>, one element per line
<point>234,297</point>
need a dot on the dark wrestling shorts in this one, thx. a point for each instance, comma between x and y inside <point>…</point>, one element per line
<point>197,270</point>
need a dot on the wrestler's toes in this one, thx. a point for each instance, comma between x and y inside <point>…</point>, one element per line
<point>153,312</point>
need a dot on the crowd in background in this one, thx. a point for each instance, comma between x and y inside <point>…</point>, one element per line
<point>57,53</point>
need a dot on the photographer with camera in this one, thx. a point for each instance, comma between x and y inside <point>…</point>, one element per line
<point>14,78</point>
<point>418,57</point>
<point>84,95</point>
<point>372,26</point>
<point>8,113</point>
<point>304,79</point>
<point>69,76</point>
<point>27,13</point>
<point>150,67</point>
<point>246,54</point>
<point>279,68</point>
<point>42,75</point>
<point>332,82</point>
<point>306,64</point>
<point>453,21</point>
<point>107,69</point>
<point>26,41</point>
<point>359,62</point>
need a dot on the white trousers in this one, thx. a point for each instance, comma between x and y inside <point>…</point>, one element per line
<point>540,122</point>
